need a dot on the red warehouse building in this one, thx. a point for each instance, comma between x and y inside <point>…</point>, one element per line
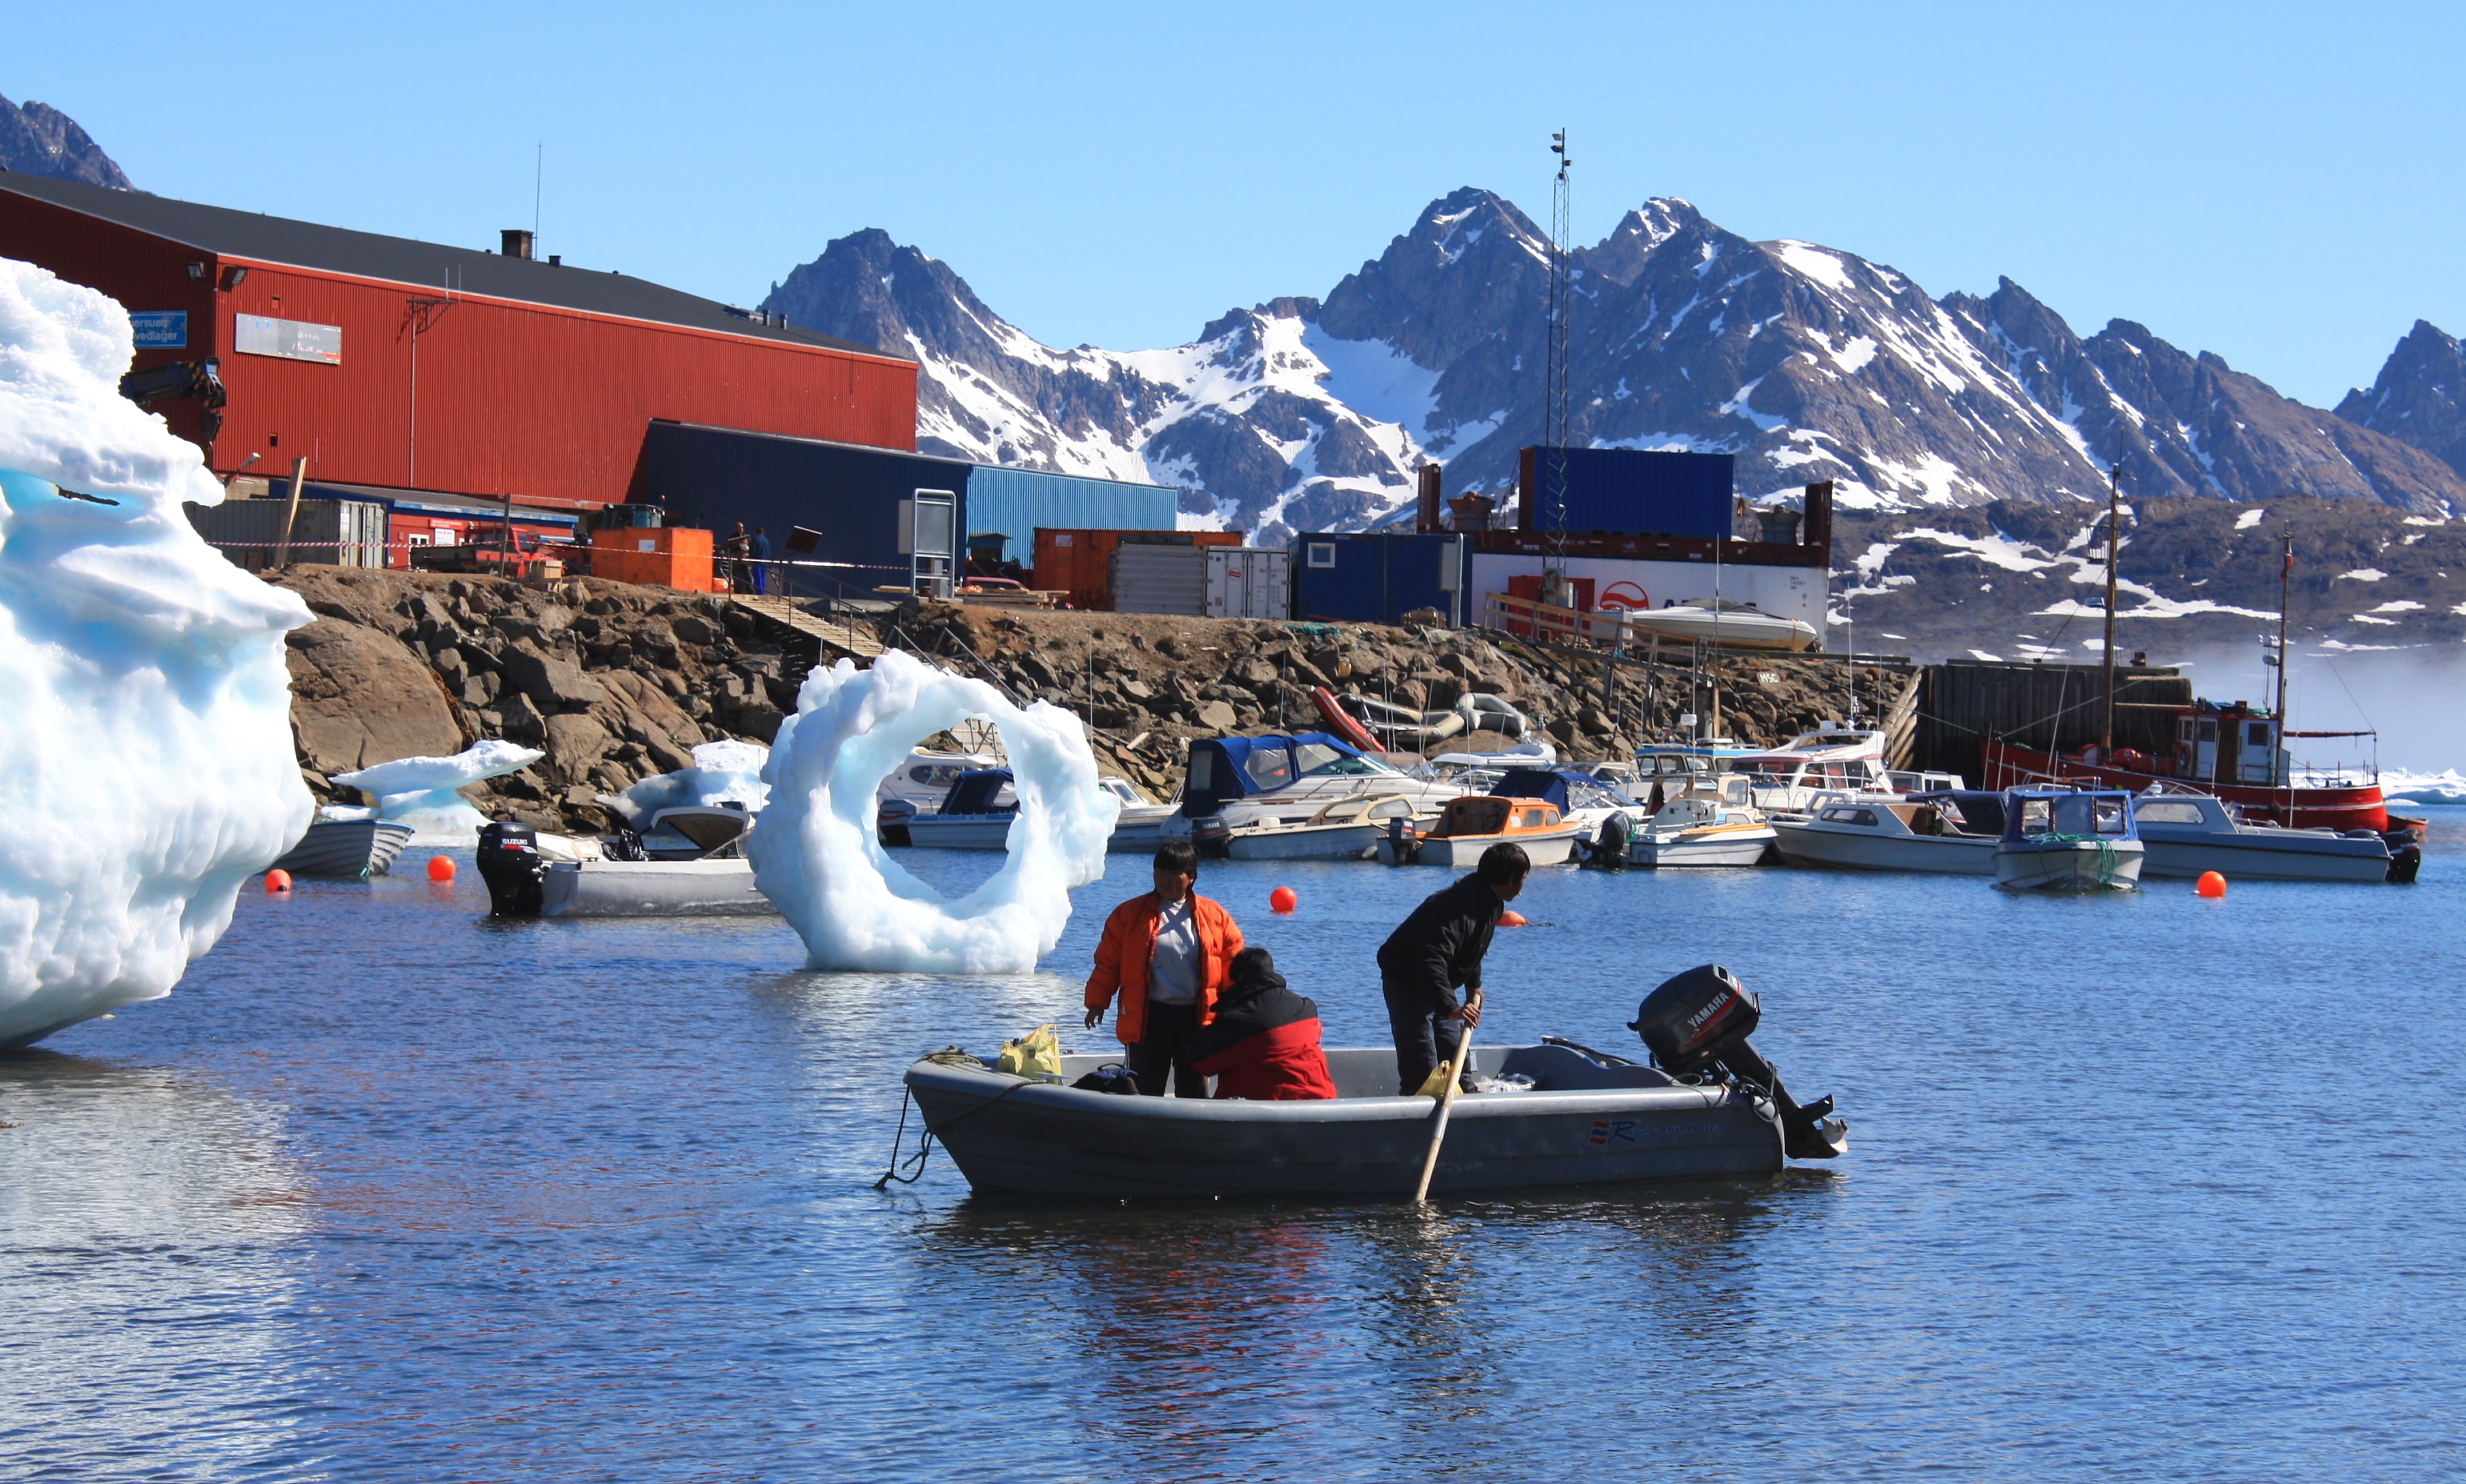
<point>395,365</point>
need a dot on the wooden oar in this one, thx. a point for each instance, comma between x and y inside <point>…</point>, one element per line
<point>1456,1067</point>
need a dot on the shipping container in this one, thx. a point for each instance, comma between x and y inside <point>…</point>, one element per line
<point>1079,561</point>
<point>252,533</point>
<point>1378,576</point>
<point>1626,490</point>
<point>1151,579</point>
<point>666,556</point>
<point>1249,582</point>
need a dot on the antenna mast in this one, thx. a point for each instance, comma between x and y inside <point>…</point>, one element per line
<point>1554,394</point>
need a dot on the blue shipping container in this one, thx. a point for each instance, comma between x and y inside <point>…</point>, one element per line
<point>1626,491</point>
<point>1377,577</point>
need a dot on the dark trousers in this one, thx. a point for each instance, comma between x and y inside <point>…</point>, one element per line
<point>1162,1046</point>
<point>1423,1039</point>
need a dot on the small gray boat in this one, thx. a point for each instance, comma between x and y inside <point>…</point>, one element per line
<point>1589,1118</point>
<point>345,849</point>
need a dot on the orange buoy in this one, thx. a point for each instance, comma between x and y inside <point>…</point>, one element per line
<point>1512,918</point>
<point>2210,884</point>
<point>1283,900</point>
<point>439,869</point>
<point>277,881</point>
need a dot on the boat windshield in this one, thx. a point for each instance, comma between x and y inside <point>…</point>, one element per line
<point>1268,767</point>
<point>1318,760</point>
<point>1769,772</point>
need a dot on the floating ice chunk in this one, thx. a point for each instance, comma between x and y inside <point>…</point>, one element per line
<point>146,768</point>
<point>723,773</point>
<point>816,855</point>
<point>421,791</point>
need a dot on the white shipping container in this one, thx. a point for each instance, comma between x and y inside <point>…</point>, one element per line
<point>1248,582</point>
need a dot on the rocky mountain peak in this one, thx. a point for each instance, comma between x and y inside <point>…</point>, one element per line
<point>2420,396</point>
<point>39,140</point>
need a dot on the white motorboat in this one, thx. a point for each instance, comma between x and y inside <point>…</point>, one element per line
<point>1141,824</point>
<point>1710,825</point>
<point>347,849</point>
<point>975,815</point>
<point>1233,784</point>
<point>1722,622</point>
<point>1830,759</point>
<point>925,777</point>
<point>1348,830</point>
<point>1884,833</point>
<point>2186,834</point>
<point>2062,840</point>
<point>1469,827</point>
<point>693,832</point>
<point>717,887</point>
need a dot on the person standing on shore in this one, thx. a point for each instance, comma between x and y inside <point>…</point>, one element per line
<point>1167,954</point>
<point>761,560</point>
<point>1439,947</point>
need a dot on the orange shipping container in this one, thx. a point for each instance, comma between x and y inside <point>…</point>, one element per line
<point>1081,562</point>
<point>667,556</point>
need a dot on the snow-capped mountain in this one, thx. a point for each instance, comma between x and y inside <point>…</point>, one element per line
<point>1804,361</point>
<point>2420,396</point>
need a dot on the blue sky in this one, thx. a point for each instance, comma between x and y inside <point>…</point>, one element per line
<point>2278,184</point>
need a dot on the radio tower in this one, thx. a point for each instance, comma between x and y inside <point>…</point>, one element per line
<point>1554,387</point>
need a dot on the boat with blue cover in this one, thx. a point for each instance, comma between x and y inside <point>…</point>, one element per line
<point>1238,784</point>
<point>2067,839</point>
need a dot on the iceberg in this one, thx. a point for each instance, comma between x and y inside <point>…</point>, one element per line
<point>421,791</point>
<point>817,857</point>
<point>723,773</point>
<point>146,767</point>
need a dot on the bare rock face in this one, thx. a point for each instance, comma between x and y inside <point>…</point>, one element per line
<point>358,697</point>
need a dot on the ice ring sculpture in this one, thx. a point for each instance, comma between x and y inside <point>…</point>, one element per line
<point>145,762</point>
<point>817,857</point>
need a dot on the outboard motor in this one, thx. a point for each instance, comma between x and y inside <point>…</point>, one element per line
<point>1699,1022</point>
<point>510,862</point>
<point>2404,863</point>
<point>1403,844</point>
<point>1607,851</point>
<point>1210,836</point>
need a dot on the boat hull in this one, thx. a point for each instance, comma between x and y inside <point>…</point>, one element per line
<point>1307,843</point>
<point>651,888</point>
<point>2332,857</point>
<point>1542,848</point>
<point>962,831</point>
<point>345,849</point>
<point>1050,1140</point>
<point>2084,865</point>
<point>2357,807</point>
<point>1711,848</point>
<point>1811,844</point>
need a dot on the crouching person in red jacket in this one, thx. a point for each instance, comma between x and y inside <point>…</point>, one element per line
<point>1263,1043</point>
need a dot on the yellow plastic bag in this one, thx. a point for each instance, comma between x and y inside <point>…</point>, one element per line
<point>1036,1056</point>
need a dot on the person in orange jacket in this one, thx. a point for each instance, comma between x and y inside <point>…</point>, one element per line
<point>1167,954</point>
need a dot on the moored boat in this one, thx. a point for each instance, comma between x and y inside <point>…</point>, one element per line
<point>1237,783</point>
<point>1711,824</point>
<point>2184,834</point>
<point>1469,827</point>
<point>347,849</point>
<point>2064,840</point>
<point>1348,830</point>
<point>1884,833</point>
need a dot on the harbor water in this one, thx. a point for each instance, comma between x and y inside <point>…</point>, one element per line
<point>2141,1186</point>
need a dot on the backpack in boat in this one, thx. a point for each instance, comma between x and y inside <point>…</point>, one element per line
<point>1111,1077</point>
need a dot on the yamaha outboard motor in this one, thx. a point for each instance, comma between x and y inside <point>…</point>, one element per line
<point>1211,837</point>
<point>510,862</point>
<point>1699,1022</point>
<point>1607,851</point>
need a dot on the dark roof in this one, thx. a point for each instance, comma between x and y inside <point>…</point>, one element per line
<point>215,228</point>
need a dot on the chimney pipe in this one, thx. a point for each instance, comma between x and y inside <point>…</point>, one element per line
<point>517,242</point>
<point>1817,531</point>
<point>1426,513</point>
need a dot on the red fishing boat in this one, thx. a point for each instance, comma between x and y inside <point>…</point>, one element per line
<point>2235,751</point>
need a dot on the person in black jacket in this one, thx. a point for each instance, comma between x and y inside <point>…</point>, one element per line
<point>1437,948</point>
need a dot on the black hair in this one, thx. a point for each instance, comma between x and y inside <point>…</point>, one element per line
<point>1252,962</point>
<point>1503,863</point>
<point>1179,856</point>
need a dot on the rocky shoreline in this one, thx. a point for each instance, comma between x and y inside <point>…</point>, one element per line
<point>616,682</point>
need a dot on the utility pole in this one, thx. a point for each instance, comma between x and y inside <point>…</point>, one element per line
<point>2114,523</point>
<point>1553,468</point>
<point>2285,593</point>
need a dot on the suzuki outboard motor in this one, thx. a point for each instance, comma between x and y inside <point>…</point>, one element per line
<point>1699,1022</point>
<point>510,862</point>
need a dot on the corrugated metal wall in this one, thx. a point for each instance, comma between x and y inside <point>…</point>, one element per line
<point>1376,578</point>
<point>337,532</point>
<point>2045,706</point>
<point>1160,579</point>
<point>1637,491</point>
<point>1015,502</point>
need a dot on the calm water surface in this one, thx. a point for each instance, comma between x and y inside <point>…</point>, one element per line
<point>2140,1187</point>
